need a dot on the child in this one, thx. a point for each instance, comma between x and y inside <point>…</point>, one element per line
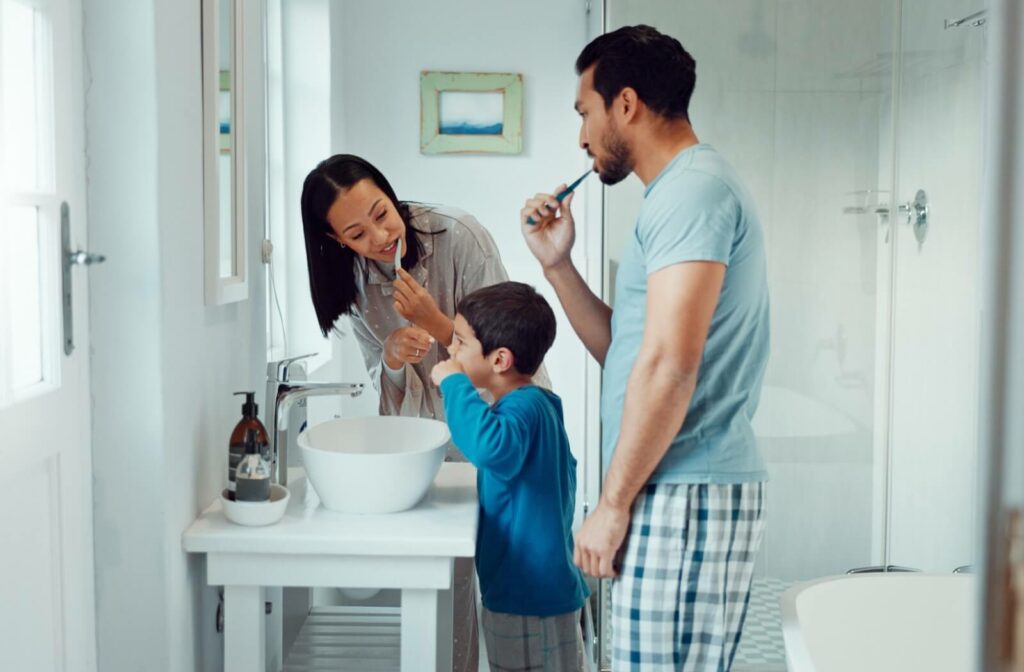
<point>526,480</point>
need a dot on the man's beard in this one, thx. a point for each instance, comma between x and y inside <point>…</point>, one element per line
<point>619,163</point>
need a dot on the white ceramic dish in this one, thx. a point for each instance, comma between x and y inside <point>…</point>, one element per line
<point>257,514</point>
<point>373,464</point>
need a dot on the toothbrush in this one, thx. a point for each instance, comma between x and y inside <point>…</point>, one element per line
<point>568,190</point>
<point>398,256</point>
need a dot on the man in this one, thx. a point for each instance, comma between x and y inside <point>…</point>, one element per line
<point>684,353</point>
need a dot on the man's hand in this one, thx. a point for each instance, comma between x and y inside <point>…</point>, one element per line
<point>599,540</point>
<point>551,237</point>
<point>442,370</point>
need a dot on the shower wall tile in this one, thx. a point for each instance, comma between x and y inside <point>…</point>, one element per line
<point>825,147</point>
<point>936,329</point>
<point>818,519</point>
<point>823,346</point>
<point>935,458</point>
<point>741,125</point>
<point>831,46</point>
<point>734,49</point>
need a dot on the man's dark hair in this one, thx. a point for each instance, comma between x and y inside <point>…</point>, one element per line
<point>514,316</point>
<point>654,65</point>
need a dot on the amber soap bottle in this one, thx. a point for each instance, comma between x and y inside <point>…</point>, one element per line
<point>236,447</point>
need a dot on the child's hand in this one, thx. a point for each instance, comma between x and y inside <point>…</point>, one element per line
<point>444,369</point>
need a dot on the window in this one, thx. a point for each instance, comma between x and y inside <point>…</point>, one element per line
<point>29,207</point>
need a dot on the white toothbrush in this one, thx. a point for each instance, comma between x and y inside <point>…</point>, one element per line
<point>398,256</point>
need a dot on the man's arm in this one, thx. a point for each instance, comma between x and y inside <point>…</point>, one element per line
<point>550,238</point>
<point>681,301</point>
<point>590,317</point>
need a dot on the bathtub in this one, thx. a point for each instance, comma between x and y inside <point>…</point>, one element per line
<point>881,622</point>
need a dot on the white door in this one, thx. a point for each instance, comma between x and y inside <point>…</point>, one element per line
<point>46,566</point>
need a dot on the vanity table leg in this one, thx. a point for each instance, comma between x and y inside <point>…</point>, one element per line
<point>419,629</point>
<point>445,625</point>
<point>274,628</point>
<point>244,629</point>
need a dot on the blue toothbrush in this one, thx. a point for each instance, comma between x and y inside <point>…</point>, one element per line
<point>568,190</point>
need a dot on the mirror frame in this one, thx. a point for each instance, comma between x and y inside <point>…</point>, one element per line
<point>220,290</point>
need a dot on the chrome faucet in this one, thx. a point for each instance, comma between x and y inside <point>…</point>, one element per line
<point>282,393</point>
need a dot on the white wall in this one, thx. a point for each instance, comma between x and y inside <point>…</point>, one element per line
<point>164,364</point>
<point>377,51</point>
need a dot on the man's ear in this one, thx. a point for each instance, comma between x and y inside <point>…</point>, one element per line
<point>628,103</point>
<point>502,360</point>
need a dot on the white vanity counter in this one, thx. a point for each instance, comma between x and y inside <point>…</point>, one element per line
<point>413,551</point>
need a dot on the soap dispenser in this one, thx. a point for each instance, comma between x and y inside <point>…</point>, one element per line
<point>236,446</point>
<point>253,473</point>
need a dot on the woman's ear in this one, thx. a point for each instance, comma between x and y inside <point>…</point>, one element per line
<point>502,360</point>
<point>332,236</point>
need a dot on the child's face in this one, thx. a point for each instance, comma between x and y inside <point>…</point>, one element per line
<point>469,353</point>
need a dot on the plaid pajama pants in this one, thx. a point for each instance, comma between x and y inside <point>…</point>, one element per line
<point>684,585</point>
<point>533,643</point>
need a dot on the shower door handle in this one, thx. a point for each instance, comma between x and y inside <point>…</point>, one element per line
<point>916,211</point>
<point>917,215</point>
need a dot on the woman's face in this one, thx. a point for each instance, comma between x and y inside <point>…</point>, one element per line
<point>364,219</point>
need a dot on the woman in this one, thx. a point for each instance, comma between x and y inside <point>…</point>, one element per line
<point>353,223</point>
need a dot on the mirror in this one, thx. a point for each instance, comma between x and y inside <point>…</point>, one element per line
<point>223,153</point>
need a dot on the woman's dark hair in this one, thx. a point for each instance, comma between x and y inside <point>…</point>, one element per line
<point>653,64</point>
<point>514,316</point>
<point>332,267</point>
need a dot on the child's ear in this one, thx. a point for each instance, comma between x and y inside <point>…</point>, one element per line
<point>502,360</point>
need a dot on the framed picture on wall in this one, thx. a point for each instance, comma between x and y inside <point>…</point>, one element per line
<point>471,112</point>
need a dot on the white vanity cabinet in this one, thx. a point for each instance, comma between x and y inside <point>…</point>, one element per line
<point>413,551</point>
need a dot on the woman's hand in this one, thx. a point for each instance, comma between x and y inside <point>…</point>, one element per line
<point>415,304</point>
<point>551,237</point>
<point>444,369</point>
<point>408,345</point>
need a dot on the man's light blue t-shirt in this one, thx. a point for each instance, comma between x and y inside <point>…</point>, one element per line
<point>697,209</point>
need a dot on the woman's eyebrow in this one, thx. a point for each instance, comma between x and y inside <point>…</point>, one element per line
<point>372,207</point>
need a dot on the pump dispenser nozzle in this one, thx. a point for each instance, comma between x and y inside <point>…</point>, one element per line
<point>249,408</point>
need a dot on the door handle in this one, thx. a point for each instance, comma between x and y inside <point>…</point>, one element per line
<point>70,259</point>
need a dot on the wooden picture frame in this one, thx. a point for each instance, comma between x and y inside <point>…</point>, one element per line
<point>471,112</point>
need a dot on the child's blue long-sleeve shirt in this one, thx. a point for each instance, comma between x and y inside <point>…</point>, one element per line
<point>526,481</point>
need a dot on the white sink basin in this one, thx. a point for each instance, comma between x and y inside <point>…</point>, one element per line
<point>373,464</point>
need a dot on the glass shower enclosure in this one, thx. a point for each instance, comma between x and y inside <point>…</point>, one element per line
<point>858,127</point>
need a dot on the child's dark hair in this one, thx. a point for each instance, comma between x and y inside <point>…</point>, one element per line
<point>651,63</point>
<point>514,316</point>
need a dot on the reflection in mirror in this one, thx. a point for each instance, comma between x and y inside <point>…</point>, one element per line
<point>224,173</point>
<point>225,50</point>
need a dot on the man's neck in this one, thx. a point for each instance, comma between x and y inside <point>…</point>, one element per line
<point>657,145</point>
